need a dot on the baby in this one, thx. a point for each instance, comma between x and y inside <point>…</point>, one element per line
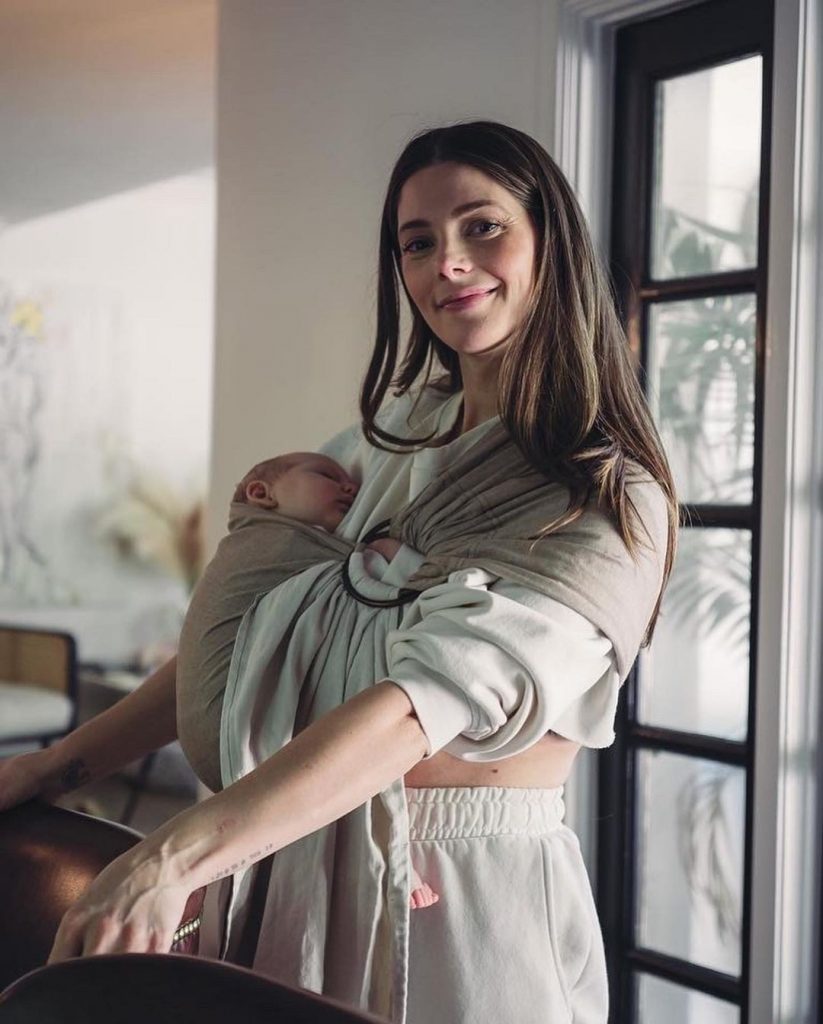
<point>303,485</point>
<point>301,491</point>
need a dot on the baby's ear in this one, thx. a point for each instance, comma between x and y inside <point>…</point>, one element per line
<point>257,493</point>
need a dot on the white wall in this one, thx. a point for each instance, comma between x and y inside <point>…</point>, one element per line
<point>121,383</point>
<point>149,252</point>
<point>316,98</point>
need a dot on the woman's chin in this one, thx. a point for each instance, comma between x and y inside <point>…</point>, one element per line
<point>477,345</point>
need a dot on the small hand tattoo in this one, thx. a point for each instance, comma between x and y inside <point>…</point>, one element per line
<point>74,775</point>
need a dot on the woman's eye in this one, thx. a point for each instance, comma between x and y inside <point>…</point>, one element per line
<point>487,226</point>
<point>479,228</point>
<point>411,246</point>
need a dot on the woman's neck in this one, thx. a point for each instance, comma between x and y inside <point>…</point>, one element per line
<point>479,389</point>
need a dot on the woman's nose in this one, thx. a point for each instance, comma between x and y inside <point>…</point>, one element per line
<point>453,260</point>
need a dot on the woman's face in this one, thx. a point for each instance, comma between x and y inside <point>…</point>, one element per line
<point>467,255</point>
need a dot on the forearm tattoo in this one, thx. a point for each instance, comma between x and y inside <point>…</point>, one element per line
<point>74,775</point>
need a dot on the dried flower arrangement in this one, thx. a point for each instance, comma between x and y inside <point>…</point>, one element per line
<point>155,525</point>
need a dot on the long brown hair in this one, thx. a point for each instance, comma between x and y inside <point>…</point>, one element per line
<point>568,393</point>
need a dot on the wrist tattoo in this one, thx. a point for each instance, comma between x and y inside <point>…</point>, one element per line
<point>74,775</point>
<point>232,869</point>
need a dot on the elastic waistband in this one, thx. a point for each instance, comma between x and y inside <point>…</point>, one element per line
<point>475,811</point>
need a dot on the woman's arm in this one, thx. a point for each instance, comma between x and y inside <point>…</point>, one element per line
<point>333,766</point>
<point>141,722</point>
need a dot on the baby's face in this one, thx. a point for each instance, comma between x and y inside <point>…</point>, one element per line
<point>315,489</point>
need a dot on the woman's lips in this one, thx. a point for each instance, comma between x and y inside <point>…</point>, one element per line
<point>468,302</point>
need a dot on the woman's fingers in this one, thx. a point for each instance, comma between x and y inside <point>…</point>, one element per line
<point>127,917</point>
<point>106,934</point>
<point>99,936</point>
<point>68,942</point>
<point>81,934</point>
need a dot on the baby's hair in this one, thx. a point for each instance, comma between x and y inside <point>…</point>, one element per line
<point>268,471</point>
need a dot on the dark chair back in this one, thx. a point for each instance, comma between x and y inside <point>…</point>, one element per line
<point>48,857</point>
<point>149,988</point>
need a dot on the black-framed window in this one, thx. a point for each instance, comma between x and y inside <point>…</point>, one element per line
<point>689,255</point>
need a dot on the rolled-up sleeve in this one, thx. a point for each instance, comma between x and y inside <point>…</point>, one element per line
<point>490,667</point>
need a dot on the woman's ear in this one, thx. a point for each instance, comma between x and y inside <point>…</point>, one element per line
<point>257,493</point>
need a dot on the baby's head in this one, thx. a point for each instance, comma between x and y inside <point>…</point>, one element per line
<point>303,485</point>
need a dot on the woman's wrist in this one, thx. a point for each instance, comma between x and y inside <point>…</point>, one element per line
<point>158,856</point>
<point>39,775</point>
<point>179,849</point>
<point>141,722</point>
<point>207,842</point>
<point>61,770</point>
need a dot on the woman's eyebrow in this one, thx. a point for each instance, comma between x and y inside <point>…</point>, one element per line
<point>475,204</point>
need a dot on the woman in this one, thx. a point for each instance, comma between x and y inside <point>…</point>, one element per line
<point>521,618</point>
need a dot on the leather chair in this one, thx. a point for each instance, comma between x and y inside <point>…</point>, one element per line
<point>171,989</point>
<point>48,857</point>
<point>38,684</point>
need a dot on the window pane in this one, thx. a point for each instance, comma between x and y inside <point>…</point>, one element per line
<point>662,1001</point>
<point>701,391</point>
<point>695,674</point>
<point>690,833</point>
<point>707,170</point>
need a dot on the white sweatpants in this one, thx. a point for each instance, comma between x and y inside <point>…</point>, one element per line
<point>514,938</point>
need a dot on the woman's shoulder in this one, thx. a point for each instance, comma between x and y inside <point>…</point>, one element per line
<point>649,500</point>
<point>641,482</point>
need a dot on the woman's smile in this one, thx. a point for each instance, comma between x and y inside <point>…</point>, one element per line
<point>465,302</point>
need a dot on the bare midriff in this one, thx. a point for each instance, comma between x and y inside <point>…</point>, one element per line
<point>546,765</point>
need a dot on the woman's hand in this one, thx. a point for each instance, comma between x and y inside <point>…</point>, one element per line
<point>23,778</point>
<point>133,906</point>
